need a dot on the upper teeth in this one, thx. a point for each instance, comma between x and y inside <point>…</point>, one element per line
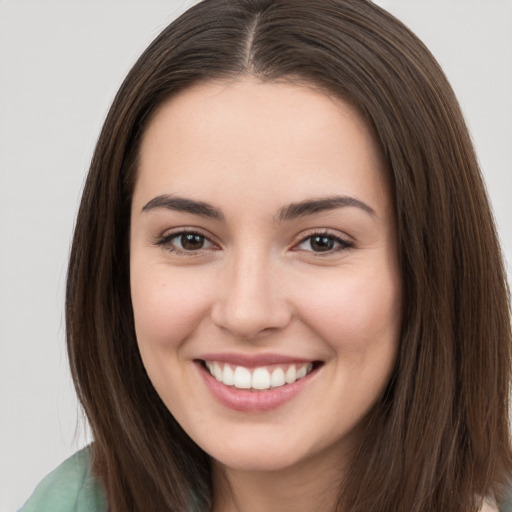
<point>257,378</point>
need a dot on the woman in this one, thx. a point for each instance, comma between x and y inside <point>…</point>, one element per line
<point>298,301</point>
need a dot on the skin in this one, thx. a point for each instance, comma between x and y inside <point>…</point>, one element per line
<point>257,284</point>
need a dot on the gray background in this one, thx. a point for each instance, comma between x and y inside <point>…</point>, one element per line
<point>61,63</point>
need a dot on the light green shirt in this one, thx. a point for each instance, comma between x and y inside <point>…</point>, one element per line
<point>69,488</point>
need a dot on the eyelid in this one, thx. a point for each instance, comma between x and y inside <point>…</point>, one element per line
<point>345,241</point>
<point>165,239</point>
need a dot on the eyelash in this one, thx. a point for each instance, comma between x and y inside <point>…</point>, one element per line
<point>165,242</point>
<point>344,244</point>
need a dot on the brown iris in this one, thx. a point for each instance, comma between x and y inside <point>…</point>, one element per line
<point>321,243</point>
<point>191,241</point>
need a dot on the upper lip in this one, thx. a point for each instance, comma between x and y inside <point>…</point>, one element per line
<point>253,360</point>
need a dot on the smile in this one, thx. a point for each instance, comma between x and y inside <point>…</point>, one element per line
<point>255,384</point>
<point>260,378</point>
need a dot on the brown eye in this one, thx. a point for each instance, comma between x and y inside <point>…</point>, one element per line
<point>185,242</point>
<point>191,241</point>
<point>323,243</point>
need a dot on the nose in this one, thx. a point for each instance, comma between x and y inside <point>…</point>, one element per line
<point>250,300</point>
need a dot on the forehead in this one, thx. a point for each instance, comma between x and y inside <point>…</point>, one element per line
<point>259,138</point>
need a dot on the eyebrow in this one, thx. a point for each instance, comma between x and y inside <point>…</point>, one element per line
<point>312,206</point>
<point>287,213</point>
<point>182,204</point>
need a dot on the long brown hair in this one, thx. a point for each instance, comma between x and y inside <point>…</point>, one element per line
<point>438,438</point>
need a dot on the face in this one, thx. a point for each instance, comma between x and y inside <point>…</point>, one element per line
<point>264,274</point>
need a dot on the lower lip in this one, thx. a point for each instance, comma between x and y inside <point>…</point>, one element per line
<point>253,401</point>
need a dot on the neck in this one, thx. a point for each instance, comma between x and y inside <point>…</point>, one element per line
<point>306,487</point>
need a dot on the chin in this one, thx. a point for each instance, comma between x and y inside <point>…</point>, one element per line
<point>264,452</point>
<point>256,459</point>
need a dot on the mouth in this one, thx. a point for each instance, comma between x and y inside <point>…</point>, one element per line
<point>259,378</point>
<point>255,387</point>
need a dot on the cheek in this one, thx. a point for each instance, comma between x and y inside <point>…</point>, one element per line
<point>167,308</point>
<point>357,312</point>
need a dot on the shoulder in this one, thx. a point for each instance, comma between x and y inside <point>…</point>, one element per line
<point>69,488</point>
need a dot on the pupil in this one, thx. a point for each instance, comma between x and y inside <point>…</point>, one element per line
<point>322,243</point>
<point>191,242</point>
